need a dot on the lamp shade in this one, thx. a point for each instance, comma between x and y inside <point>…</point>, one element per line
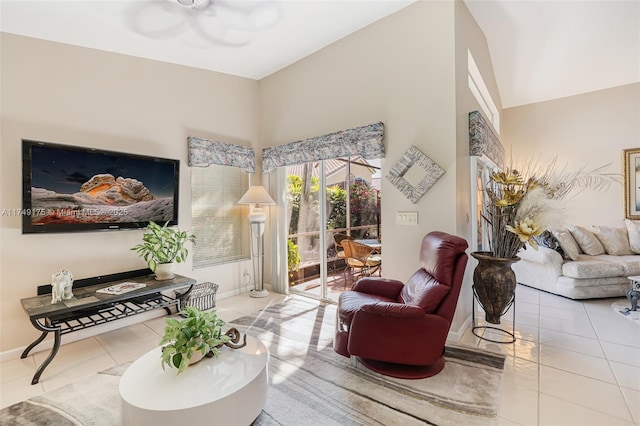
<point>256,195</point>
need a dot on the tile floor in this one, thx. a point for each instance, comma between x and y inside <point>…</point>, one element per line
<point>574,363</point>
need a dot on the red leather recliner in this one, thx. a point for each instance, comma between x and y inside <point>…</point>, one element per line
<point>400,329</point>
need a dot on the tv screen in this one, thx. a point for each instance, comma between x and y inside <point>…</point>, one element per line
<point>73,189</point>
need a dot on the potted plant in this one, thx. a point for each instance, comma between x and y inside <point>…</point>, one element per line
<point>293,261</point>
<point>162,247</point>
<point>191,338</point>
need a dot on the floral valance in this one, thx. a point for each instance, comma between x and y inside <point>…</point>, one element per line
<point>203,152</point>
<point>365,141</point>
<point>482,139</point>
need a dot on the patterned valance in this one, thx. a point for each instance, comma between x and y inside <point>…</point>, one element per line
<point>365,141</point>
<point>203,152</point>
<point>482,140</point>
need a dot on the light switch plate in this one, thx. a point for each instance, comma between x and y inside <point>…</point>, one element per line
<point>407,218</point>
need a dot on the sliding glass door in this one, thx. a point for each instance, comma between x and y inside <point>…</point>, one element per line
<point>326,199</point>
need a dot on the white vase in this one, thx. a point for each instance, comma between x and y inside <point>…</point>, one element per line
<point>165,271</point>
<point>196,357</point>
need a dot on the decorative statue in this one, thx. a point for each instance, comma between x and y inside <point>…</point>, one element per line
<point>61,283</point>
<point>633,296</point>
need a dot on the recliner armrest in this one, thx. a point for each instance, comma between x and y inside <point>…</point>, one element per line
<point>384,287</point>
<point>390,309</point>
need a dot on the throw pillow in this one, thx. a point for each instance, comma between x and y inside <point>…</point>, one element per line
<point>633,231</point>
<point>568,244</point>
<point>586,240</point>
<point>614,240</point>
<point>546,239</point>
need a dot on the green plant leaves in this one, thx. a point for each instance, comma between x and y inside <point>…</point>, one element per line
<point>198,331</point>
<point>163,244</point>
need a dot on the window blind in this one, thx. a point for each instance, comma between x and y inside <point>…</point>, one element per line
<point>220,225</point>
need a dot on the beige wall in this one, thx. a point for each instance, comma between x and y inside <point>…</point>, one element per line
<point>407,70</point>
<point>584,130</point>
<point>77,96</point>
<point>400,71</point>
<point>469,37</point>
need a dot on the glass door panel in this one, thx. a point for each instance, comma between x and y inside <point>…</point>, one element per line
<point>349,205</point>
<point>303,219</point>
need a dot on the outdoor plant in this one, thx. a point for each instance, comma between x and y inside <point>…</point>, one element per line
<point>198,331</point>
<point>293,259</point>
<point>163,244</point>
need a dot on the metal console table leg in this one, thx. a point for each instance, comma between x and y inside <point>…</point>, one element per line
<point>46,329</point>
<point>474,326</point>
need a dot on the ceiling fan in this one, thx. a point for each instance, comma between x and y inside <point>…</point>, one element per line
<point>203,23</point>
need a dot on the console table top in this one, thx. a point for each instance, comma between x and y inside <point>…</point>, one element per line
<point>86,297</point>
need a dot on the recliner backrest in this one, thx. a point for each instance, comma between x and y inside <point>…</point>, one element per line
<point>443,260</point>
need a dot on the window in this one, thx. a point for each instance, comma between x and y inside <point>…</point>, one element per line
<point>220,225</point>
<point>481,93</point>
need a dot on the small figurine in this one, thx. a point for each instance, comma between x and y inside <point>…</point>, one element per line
<point>61,283</point>
<point>633,296</point>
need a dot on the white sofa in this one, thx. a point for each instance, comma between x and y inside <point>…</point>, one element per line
<point>580,275</point>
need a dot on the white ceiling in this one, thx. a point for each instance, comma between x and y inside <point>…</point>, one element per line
<point>540,49</point>
<point>551,49</point>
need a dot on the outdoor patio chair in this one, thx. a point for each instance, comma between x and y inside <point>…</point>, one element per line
<point>361,257</point>
<point>337,239</point>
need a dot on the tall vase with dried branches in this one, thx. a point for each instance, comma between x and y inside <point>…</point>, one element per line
<point>520,206</point>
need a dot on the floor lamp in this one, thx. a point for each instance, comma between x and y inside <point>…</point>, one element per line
<point>257,196</point>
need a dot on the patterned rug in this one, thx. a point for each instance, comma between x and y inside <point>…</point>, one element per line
<point>309,384</point>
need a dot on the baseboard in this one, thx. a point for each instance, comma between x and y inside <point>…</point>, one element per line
<point>456,335</point>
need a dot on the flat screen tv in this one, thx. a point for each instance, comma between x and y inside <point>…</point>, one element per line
<point>74,189</point>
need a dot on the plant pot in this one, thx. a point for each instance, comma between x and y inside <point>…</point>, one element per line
<point>165,271</point>
<point>494,284</point>
<point>196,357</point>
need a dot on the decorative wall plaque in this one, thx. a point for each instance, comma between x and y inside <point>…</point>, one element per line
<point>414,174</point>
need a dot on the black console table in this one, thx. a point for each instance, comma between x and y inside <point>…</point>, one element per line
<point>89,308</point>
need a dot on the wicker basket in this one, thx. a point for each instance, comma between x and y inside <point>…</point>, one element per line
<point>203,296</point>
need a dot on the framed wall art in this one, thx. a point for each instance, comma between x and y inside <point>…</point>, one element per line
<point>414,174</point>
<point>631,168</point>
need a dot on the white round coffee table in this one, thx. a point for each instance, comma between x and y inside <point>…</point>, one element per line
<point>228,390</point>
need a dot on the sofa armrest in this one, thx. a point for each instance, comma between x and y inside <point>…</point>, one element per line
<point>539,268</point>
<point>543,255</point>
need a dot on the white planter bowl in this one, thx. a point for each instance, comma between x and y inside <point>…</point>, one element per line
<point>165,271</point>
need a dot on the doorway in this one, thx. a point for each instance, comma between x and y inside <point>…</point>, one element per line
<point>324,199</point>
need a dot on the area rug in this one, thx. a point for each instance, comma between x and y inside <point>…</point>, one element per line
<point>623,307</point>
<point>309,384</point>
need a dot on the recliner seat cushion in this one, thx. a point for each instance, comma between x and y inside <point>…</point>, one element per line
<point>424,290</point>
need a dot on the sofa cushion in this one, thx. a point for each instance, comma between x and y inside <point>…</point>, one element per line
<point>633,231</point>
<point>568,244</point>
<point>590,267</point>
<point>546,239</point>
<point>630,264</point>
<point>587,241</point>
<point>614,240</point>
